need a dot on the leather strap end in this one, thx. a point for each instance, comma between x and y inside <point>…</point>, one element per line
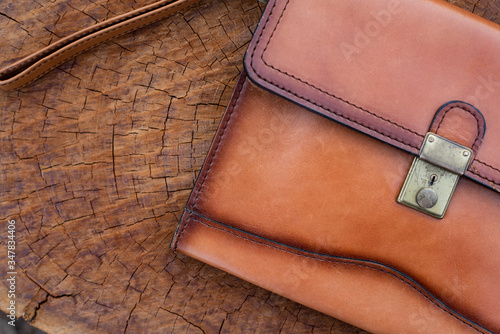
<point>38,63</point>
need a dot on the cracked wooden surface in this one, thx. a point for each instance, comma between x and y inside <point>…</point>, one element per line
<point>98,159</point>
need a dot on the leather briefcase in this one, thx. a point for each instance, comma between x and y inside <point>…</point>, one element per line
<point>352,171</point>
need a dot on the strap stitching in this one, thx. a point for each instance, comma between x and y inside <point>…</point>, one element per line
<point>223,132</point>
<point>88,31</point>
<point>203,178</point>
<point>182,228</point>
<point>484,163</point>
<point>90,47</point>
<point>491,182</point>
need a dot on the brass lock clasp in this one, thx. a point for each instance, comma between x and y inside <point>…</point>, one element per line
<point>434,175</point>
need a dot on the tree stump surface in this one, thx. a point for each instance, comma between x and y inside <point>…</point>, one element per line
<point>98,158</point>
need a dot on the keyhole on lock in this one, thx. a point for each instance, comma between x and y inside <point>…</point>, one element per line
<point>433,179</point>
<point>427,197</point>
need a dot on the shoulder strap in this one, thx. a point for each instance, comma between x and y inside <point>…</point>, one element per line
<point>37,64</point>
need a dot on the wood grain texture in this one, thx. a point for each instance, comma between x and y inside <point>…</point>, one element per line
<point>97,160</point>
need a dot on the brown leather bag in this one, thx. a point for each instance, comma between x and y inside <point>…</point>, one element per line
<point>299,193</point>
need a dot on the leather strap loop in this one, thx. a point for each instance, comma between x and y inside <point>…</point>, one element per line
<point>460,122</point>
<point>37,64</point>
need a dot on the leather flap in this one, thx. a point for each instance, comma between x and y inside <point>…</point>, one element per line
<point>385,67</point>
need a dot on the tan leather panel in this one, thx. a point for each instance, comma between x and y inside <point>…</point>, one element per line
<point>368,298</point>
<point>284,173</point>
<point>383,67</point>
